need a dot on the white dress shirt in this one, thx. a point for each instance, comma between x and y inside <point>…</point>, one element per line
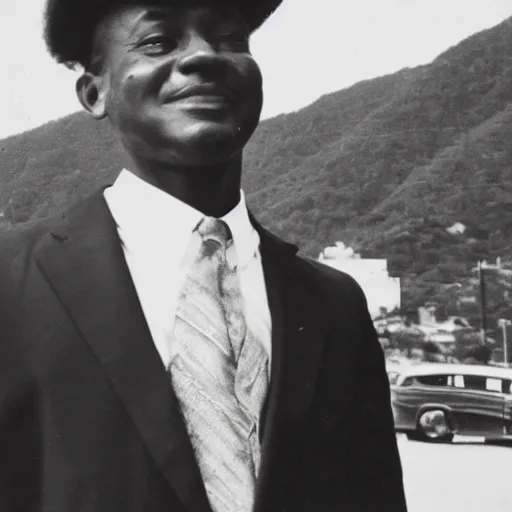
<point>155,229</point>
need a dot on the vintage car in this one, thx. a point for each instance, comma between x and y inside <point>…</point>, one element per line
<point>437,401</point>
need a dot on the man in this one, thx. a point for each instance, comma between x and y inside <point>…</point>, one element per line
<point>159,349</point>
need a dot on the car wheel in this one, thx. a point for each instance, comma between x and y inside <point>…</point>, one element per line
<point>433,426</point>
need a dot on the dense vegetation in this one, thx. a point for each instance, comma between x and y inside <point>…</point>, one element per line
<point>385,165</point>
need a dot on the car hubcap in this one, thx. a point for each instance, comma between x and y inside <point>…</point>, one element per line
<point>433,424</point>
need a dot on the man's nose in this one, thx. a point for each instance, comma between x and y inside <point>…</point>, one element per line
<point>201,57</point>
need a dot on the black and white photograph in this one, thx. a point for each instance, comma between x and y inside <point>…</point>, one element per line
<point>256,256</point>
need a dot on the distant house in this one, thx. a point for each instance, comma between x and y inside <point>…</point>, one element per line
<point>381,290</point>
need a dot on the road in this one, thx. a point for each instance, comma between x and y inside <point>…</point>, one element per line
<point>460,477</point>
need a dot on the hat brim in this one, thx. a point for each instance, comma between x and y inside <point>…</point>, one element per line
<point>69,24</point>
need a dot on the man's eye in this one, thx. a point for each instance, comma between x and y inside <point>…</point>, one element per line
<point>235,41</point>
<point>157,45</point>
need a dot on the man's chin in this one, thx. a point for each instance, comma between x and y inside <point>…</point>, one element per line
<point>212,140</point>
<point>209,149</point>
<point>211,126</point>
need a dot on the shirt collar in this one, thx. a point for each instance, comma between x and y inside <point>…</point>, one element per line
<point>245,238</point>
<point>144,212</point>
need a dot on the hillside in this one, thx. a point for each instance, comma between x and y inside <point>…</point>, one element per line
<point>385,165</point>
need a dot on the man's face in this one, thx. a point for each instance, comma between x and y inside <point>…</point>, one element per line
<point>179,83</point>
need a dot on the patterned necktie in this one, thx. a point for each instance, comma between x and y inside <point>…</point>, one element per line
<point>219,373</point>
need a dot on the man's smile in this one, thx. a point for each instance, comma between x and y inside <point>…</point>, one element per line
<point>203,95</point>
<point>204,102</point>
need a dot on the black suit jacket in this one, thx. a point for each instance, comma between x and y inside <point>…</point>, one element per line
<point>88,418</point>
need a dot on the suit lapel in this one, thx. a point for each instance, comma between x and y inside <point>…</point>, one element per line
<point>297,345</point>
<point>84,262</point>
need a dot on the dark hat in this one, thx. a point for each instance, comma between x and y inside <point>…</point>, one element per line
<point>69,24</point>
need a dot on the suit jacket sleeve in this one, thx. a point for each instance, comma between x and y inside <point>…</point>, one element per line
<point>375,475</point>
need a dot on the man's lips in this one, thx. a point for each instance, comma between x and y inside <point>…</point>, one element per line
<point>204,100</point>
<point>203,94</point>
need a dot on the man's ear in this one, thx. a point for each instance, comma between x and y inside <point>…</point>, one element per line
<point>91,91</point>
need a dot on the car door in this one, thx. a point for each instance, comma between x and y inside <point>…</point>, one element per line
<point>478,405</point>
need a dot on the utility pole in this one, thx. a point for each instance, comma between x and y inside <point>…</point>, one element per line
<point>483,303</point>
<point>504,323</point>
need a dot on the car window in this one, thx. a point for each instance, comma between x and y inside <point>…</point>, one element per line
<point>458,381</point>
<point>492,384</point>
<point>475,382</point>
<point>478,383</point>
<point>408,381</point>
<point>507,386</point>
<point>433,380</point>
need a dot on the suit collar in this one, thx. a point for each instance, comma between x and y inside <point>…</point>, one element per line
<point>298,319</point>
<point>272,244</point>
<point>83,260</point>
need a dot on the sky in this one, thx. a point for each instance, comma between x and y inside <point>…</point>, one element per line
<point>306,49</point>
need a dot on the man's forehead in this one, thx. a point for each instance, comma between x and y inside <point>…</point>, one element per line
<point>140,14</point>
<point>125,21</point>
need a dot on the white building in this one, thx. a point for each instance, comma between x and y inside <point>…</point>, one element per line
<point>381,290</point>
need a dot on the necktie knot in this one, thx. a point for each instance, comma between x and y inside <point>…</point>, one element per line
<point>214,229</point>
